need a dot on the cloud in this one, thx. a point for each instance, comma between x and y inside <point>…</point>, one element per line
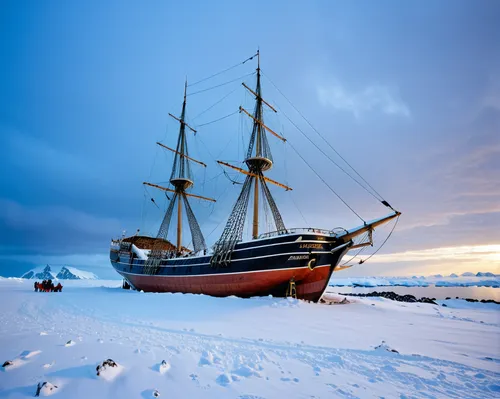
<point>53,228</point>
<point>372,98</point>
<point>480,253</point>
<point>87,260</point>
<point>491,98</point>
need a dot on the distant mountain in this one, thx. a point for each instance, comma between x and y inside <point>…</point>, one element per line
<point>60,273</point>
<point>40,274</point>
<point>468,274</point>
<point>71,273</point>
<point>485,274</point>
<point>453,275</point>
<point>437,275</point>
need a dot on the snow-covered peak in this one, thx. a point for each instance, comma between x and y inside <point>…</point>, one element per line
<point>467,274</point>
<point>61,273</point>
<point>485,274</point>
<point>40,273</point>
<point>71,273</point>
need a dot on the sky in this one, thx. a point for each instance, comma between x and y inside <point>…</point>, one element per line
<point>407,92</point>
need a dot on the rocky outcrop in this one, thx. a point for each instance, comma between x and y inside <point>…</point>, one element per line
<point>396,297</point>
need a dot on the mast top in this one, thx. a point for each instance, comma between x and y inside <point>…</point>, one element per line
<point>185,89</point>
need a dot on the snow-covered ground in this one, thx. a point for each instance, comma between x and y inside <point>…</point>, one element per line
<point>241,348</point>
<point>490,280</point>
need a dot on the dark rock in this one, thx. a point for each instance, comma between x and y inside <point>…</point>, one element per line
<point>471,300</point>
<point>106,363</point>
<point>7,363</point>
<point>394,297</point>
<point>41,385</point>
<point>489,301</point>
<point>383,345</point>
<point>444,305</point>
<point>448,298</point>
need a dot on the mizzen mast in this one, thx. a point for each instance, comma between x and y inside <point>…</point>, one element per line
<point>181,180</point>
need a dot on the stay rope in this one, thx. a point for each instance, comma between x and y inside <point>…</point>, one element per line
<point>221,72</point>
<point>374,192</point>
<point>383,243</point>
<point>221,84</point>
<point>324,181</point>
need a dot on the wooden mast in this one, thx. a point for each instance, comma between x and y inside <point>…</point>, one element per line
<point>179,223</point>
<point>257,119</point>
<point>180,186</point>
<point>181,180</point>
<point>255,229</point>
<point>259,157</point>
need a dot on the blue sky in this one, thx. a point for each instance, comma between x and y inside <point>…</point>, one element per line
<point>408,92</point>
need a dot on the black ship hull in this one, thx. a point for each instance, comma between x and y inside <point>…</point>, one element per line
<point>258,268</point>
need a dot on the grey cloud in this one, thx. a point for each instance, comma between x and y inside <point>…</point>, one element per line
<point>372,98</point>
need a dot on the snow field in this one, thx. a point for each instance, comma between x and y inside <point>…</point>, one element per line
<point>242,348</point>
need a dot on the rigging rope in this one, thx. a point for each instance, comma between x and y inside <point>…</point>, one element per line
<point>221,72</point>
<point>379,248</point>
<point>222,84</point>
<point>326,155</point>
<point>213,105</point>
<point>375,193</point>
<point>364,236</point>
<point>229,178</point>
<point>219,119</point>
<point>326,184</point>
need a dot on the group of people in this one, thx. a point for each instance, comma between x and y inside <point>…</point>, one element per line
<point>47,286</point>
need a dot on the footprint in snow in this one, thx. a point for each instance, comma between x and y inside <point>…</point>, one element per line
<point>224,379</point>
<point>286,379</point>
<point>208,358</point>
<point>49,365</point>
<point>246,371</point>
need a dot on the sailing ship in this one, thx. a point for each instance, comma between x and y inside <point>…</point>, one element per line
<point>285,262</point>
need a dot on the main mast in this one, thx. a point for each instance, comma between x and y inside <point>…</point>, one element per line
<point>258,160</point>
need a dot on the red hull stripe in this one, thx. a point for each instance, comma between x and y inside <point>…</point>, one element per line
<point>217,274</point>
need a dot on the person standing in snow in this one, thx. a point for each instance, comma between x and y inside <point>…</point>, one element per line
<point>36,286</point>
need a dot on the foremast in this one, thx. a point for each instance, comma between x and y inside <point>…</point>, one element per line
<point>258,160</point>
<point>181,180</point>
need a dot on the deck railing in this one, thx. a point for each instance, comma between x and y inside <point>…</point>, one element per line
<point>297,230</point>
